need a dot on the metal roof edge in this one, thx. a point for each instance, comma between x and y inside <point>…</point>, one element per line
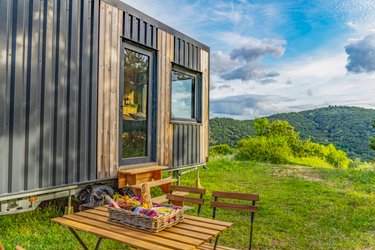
<point>133,11</point>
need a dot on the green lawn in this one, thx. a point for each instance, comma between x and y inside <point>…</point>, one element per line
<point>300,208</point>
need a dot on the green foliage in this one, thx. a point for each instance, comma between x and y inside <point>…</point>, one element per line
<point>372,139</point>
<point>222,149</point>
<point>297,206</point>
<point>281,144</point>
<point>264,149</point>
<point>348,128</point>
<point>261,126</point>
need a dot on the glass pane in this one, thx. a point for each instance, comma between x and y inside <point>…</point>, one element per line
<point>134,111</point>
<point>182,96</point>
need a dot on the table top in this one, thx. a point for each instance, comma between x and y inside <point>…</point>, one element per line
<point>189,234</point>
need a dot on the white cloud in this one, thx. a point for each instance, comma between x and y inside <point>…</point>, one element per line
<point>361,55</point>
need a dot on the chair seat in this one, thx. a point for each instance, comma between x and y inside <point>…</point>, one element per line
<point>209,246</point>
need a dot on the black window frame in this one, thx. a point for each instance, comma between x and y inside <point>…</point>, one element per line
<point>126,44</point>
<point>197,102</point>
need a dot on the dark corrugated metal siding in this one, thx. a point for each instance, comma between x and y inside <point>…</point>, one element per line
<point>186,144</point>
<point>48,93</point>
<point>139,31</point>
<point>186,54</point>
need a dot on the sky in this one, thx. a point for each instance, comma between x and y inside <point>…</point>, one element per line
<point>275,56</point>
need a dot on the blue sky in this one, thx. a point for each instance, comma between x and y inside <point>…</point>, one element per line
<point>274,56</point>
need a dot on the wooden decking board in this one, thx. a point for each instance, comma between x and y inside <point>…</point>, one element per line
<point>215,222</point>
<point>151,238</point>
<point>108,235</point>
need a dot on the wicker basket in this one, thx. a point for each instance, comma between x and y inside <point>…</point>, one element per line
<point>143,222</point>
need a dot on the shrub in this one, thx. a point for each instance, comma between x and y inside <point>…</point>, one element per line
<point>264,149</point>
<point>221,149</point>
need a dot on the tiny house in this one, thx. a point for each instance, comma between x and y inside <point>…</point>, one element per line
<point>92,87</point>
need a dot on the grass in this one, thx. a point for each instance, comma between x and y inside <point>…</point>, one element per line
<point>300,208</point>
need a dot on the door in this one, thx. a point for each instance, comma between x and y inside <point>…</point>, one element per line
<point>136,107</point>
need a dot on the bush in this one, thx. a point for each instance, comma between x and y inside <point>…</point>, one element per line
<point>264,149</point>
<point>221,149</point>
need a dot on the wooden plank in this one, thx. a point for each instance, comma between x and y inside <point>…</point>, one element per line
<point>118,228</point>
<point>141,170</point>
<point>239,196</point>
<point>108,234</point>
<point>185,199</point>
<point>156,183</point>
<point>188,189</point>
<point>198,229</point>
<point>211,221</point>
<point>189,233</point>
<point>100,132</point>
<point>114,94</point>
<point>204,225</point>
<point>168,68</point>
<point>163,234</point>
<point>232,206</point>
<point>205,101</point>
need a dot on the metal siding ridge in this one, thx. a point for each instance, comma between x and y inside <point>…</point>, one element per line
<point>92,140</point>
<point>61,82</point>
<point>34,99</point>
<point>5,16</point>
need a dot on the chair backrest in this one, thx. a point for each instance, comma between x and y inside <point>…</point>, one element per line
<point>234,206</point>
<point>177,194</point>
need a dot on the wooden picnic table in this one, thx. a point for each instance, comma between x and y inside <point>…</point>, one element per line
<point>189,234</point>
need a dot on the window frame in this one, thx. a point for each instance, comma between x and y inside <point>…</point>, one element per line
<point>125,44</point>
<point>197,103</point>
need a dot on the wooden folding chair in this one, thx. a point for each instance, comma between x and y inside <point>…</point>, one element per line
<point>233,206</point>
<point>177,195</point>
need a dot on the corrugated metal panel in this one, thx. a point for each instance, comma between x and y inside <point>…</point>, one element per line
<point>186,144</point>
<point>139,31</point>
<point>48,87</point>
<point>187,54</point>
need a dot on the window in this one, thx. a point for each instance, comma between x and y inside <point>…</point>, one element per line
<point>184,95</point>
<point>136,105</point>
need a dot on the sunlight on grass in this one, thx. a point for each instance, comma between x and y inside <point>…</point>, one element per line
<point>300,208</point>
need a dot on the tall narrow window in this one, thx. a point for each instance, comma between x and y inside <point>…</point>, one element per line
<point>136,105</point>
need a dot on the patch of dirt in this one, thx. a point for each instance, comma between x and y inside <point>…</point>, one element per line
<point>299,172</point>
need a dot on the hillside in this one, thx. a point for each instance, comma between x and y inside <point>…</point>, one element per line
<point>348,128</point>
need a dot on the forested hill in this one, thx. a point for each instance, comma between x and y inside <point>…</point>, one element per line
<point>348,128</point>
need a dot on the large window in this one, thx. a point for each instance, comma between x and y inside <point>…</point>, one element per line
<point>184,95</point>
<point>136,102</point>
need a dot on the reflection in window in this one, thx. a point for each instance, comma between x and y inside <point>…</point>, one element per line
<point>134,109</point>
<point>183,96</point>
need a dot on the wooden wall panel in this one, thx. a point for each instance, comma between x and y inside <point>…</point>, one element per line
<point>165,129</point>
<point>205,104</point>
<point>111,21</point>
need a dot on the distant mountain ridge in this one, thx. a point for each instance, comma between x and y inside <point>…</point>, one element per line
<point>348,128</point>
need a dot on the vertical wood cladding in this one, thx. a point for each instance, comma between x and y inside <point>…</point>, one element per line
<point>48,68</point>
<point>108,90</point>
<point>164,133</point>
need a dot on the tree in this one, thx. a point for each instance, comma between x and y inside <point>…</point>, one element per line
<point>372,140</point>
<point>261,126</point>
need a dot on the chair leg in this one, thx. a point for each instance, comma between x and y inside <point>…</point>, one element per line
<point>251,230</point>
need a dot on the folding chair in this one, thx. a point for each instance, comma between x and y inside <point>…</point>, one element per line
<point>177,195</point>
<point>233,206</point>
